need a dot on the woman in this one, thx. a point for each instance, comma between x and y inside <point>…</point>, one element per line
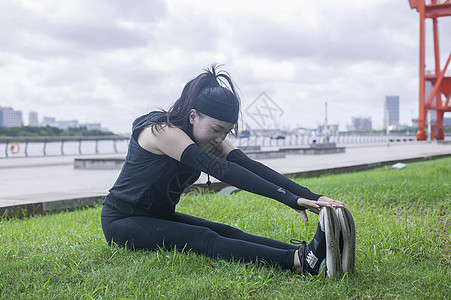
<point>167,152</point>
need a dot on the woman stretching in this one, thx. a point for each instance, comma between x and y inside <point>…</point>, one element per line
<point>167,152</point>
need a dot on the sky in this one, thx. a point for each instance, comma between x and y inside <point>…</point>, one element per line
<point>110,61</point>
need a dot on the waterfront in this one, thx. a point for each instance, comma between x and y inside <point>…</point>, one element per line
<point>16,147</point>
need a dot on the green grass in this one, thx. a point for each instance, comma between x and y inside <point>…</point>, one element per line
<point>403,223</point>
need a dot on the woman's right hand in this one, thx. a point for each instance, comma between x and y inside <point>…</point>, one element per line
<point>314,206</point>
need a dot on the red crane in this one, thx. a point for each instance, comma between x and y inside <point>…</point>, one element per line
<point>440,81</point>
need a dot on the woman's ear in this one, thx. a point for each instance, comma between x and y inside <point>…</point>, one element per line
<point>192,115</point>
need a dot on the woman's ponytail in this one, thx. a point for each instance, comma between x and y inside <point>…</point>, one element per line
<point>211,83</point>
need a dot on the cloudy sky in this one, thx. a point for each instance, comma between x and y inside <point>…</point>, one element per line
<point>110,61</point>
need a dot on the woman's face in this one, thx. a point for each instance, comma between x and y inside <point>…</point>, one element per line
<point>207,131</point>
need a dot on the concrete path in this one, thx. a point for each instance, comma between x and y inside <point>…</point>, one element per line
<point>42,184</point>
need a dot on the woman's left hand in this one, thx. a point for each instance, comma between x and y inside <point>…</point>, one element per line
<point>314,206</point>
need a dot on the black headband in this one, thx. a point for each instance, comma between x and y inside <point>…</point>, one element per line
<point>217,109</point>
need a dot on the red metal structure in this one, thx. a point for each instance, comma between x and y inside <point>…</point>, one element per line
<point>441,83</point>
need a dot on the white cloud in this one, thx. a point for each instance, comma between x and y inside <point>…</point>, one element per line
<point>110,61</point>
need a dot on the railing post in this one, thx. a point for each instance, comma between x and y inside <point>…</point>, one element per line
<point>114,145</point>
<point>79,146</point>
<point>6,148</point>
<point>97,146</point>
<point>26,148</point>
<point>62,147</point>
<point>44,148</point>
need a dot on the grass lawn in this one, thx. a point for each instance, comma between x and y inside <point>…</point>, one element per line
<point>403,224</point>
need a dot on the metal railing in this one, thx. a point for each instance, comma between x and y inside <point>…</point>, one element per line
<point>35,146</point>
<point>339,139</point>
<point>94,145</point>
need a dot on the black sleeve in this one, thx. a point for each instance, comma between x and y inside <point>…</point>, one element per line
<point>237,156</point>
<point>236,175</point>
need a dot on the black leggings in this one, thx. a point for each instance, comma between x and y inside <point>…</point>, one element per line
<point>191,233</point>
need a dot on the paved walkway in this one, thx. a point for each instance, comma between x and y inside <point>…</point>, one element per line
<point>42,184</point>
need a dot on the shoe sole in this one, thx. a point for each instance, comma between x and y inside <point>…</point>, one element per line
<point>347,228</point>
<point>331,228</point>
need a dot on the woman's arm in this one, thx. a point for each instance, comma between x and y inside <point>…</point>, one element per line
<point>306,196</point>
<point>175,143</point>
<point>239,157</point>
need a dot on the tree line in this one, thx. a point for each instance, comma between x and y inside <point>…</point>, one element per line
<point>51,131</point>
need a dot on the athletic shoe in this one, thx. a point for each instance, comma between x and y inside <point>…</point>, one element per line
<point>313,256</point>
<point>331,229</point>
<point>347,239</point>
<point>321,254</point>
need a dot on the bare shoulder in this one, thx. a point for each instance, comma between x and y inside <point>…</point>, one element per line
<point>166,140</point>
<point>147,139</point>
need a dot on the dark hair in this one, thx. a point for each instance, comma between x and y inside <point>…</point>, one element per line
<point>214,83</point>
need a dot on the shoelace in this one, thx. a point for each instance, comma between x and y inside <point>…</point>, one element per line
<point>301,252</point>
<point>298,242</point>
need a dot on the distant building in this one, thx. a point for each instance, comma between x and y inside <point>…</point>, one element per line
<point>47,121</point>
<point>92,126</point>
<point>360,124</point>
<point>33,119</point>
<point>10,117</point>
<point>50,121</point>
<point>331,128</point>
<point>61,124</point>
<point>391,110</point>
<point>65,124</point>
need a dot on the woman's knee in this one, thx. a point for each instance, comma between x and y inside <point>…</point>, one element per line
<point>231,232</point>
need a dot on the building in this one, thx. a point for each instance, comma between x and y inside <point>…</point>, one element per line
<point>92,126</point>
<point>391,110</point>
<point>50,121</point>
<point>331,129</point>
<point>10,117</point>
<point>33,119</point>
<point>361,124</point>
<point>47,121</point>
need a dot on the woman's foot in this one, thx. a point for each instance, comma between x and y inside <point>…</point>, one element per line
<point>312,257</point>
<point>322,253</point>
